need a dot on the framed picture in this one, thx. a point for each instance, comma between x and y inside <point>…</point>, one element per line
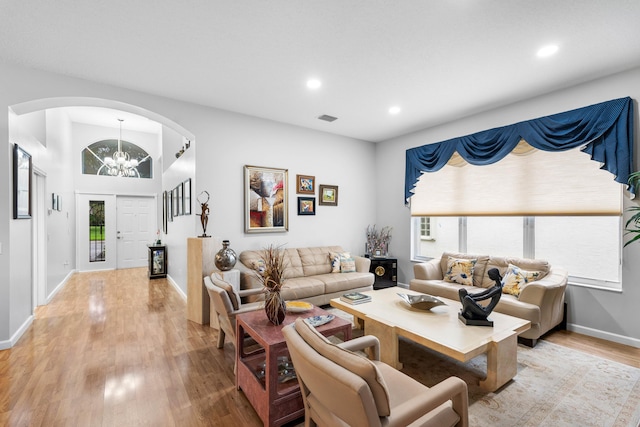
<point>266,197</point>
<point>305,184</point>
<point>169,206</point>
<point>175,211</point>
<point>164,212</point>
<point>328,195</point>
<point>54,202</point>
<point>180,199</point>
<point>187,196</point>
<point>22,168</point>
<point>59,202</point>
<point>306,205</point>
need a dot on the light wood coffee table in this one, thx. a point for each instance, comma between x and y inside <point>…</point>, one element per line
<point>388,317</point>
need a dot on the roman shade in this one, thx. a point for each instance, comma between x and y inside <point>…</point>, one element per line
<point>603,131</point>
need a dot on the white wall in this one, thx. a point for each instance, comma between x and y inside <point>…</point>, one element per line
<point>224,143</point>
<point>61,230</point>
<point>182,226</point>
<point>241,140</point>
<point>601,313</point>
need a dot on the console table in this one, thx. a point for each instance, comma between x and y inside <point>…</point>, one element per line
<point>157,257</point>
<point>385,271</point>
<point>277,399</point>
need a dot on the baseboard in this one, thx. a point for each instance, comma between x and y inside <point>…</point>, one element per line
<point>14,339</point>
<point>620,339</point>
<point>60,286</point>
<point>4,345</point>
<point>176,287</point>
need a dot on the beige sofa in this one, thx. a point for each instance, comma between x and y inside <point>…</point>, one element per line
<point>540,301</point>
<point>308,274</point>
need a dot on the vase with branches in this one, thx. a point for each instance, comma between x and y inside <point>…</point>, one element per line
<point>270,272</point>
<point>378,240</point>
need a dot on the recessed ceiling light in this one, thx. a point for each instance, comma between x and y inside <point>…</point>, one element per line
<point>394,110</point>
<point>314,83</point>
<point>547,51</point>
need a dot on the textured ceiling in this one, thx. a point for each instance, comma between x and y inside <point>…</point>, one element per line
<point>437,60</point>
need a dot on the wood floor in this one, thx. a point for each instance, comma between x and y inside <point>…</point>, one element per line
<point>114,349</point>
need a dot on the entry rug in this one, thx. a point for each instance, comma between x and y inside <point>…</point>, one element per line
<point>555,386</point>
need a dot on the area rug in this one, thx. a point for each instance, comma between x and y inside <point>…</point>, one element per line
<point>554,386</point>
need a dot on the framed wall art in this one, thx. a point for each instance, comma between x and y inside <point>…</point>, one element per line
<point>305,184</point>
<point>165,213</point>
<point>54,202</point>
<point>22,169</point>
<point>175,210</point>
<point>169,206</point>
<point>265,200</point>
<point>328,195</point>
<point>180,199</point>
<point>306,205</point>
<point>186,197</point>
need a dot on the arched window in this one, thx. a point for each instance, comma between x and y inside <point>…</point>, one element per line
<point>94,158</point>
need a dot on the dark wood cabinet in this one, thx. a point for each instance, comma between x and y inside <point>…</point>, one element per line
<point>385,271</point>
<point>157,261</point>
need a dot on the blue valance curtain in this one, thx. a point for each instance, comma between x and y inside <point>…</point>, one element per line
<point>606,130</point>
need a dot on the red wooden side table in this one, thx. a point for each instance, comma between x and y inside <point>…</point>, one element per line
<point>274,394</point>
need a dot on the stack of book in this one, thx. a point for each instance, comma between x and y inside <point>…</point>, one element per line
<point>355,298</point>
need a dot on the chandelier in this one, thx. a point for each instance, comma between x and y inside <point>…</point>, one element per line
<point>120,164</point>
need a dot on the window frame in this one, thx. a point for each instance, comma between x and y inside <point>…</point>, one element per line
<point>98,150</point>
<point>426,228</point>
<point>528,229</point>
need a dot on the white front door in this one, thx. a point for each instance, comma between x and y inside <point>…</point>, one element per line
<point>137,226</point>
<point>96,232</point>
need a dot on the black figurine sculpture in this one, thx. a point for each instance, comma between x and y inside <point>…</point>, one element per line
<point>475,314</point>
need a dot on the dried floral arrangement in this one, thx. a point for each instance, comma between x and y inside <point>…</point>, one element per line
<point>270,273</point>
<point>271,270</point>
<point>378,239</point>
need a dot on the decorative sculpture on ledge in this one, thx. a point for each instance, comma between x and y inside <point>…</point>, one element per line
<point>204,216</point>
<point>475,314</point>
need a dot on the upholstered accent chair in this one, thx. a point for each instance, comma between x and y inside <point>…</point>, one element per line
<point>227,304</point>
<point>342,388</point>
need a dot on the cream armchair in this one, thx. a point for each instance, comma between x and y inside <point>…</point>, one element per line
<point>227,303</point>
<point>342,388</point>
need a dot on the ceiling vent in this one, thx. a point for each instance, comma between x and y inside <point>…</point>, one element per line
<point>327,118</point>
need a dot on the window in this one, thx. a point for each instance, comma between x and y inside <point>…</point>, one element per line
<point>542,188</point>
<point>94,154</point>
<point>425,228</point>
<point>588,247</point>
<point>532,204</point>
<point>96,231</point>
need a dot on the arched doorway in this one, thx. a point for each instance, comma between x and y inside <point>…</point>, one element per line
<point>52,161</point>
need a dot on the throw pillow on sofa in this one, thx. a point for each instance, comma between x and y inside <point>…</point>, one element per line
<point>334,258</point>
<point>342,262</point>
<point>460,271</point>
<point>515,279</point>
<point>347,263</point>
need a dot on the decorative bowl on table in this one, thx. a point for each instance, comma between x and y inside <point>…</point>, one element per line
<point>421,302</point>
<point>298,306</point>
<point>316,321</point>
